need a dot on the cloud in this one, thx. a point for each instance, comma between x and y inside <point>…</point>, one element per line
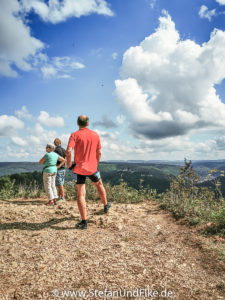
<point>167,86</point>
<point>65,62</point>
<point>113,147</point>
<point>97,52</point>
<point>114,55</point>
<point>221,2</point>
<point>9,125</point>
<point>45,119</point>
<point>19,141</point>
<point>56,11</point>
<point>205,13</point>
<point>108,135</point>
<point>152,3</point>
<point>105,122</point>
<point>48,71</point>
<point>18,154</point>
<point>20,50</point>
<point>59,67</point>
<point>120,119</point>
<point>23,113</point>
<point>40,136</point>
<point>17,45</point>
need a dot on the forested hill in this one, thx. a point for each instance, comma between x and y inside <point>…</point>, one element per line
<point>7,168</point>
<point>156,176</point>
<point>202,167</point>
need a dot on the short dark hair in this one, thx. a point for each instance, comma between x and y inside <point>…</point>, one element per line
<point>82,121</point>
<point>57,142</point>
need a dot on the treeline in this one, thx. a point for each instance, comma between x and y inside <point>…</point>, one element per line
<point>25,179</point>
<point>160,184</point>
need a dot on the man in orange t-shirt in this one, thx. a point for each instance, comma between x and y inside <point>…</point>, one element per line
<point>87,152</point>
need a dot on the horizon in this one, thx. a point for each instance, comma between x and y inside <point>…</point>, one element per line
<point>133,160</point>
<point>153,89</point>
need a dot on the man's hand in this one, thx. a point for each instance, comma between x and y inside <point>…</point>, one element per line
<point>72,166</point>
<point>98,155</point>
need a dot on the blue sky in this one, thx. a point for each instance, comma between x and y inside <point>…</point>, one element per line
<point>148,73</point>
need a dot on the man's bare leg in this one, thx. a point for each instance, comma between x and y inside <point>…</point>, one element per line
<point>101,191</point>
<point>81,203</point>
<point>61,191</point>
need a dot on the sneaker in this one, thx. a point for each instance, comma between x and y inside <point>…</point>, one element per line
<point>61,200</point>
<point>81,225</point>
<point>107,207</point>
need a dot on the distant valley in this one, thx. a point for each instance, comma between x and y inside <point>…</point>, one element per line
<point>155,174</point>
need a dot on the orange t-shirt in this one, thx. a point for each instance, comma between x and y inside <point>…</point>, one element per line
<point>85,143</point>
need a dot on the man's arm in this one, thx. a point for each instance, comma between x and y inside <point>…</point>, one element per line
<point>98,155</point>
<point>68,156</point>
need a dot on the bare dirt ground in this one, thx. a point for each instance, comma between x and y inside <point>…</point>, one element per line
<point>136,250</point>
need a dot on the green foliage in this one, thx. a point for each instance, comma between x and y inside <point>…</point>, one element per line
<point>22,185</point>
<point>7,188</point>
<point>127,183</point>
<point>103,167</point>
<point>120,193</point>
<point>197,204</point>
<point>157,181</point>
<point>7,168</point>
<point>219,217</point>
<point>157,176</point>
<point>70,190</point>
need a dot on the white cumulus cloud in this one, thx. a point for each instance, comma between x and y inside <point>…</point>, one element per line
<point>19,141</point>
<point>48,71</point>
<point>45,119</point>
<point>20,50</point>
<point>221,2</point>
<point>9,125</point>
<point>167,86</point>
<point>21,154</point>
<point>205,13</point>
<point>60,67</point>
<point>56,11</point>
<point>17,45</point>
<point>23,113</point>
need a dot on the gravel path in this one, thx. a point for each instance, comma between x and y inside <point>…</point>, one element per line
<point>136,250</point>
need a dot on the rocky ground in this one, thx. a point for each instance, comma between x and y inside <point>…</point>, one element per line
<point>136,250</point>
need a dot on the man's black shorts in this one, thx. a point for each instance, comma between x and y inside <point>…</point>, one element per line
<point>80,179</point>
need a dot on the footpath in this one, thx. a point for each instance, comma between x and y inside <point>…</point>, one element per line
<point>137,251</point>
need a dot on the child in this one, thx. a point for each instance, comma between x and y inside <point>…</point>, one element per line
<point>49,161</point>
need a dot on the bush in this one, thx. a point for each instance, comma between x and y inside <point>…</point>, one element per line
<point>121,193</point>
<point>197,205</point>
<point>7,188</point>
<point>219,217</point>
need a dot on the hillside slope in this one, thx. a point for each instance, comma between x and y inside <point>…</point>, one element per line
<point>134,246</point>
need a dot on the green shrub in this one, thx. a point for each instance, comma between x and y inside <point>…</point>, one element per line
<point>121,193</point>
<point>219,217</point>
<point>197,205</point>
<point>7,188</point>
